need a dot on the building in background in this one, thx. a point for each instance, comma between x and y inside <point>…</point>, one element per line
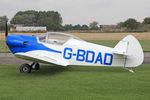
<point>111,28</point>
<point>20,28</point>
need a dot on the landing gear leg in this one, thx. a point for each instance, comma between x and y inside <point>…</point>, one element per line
<point>35,66</point>
<point>26,68</point>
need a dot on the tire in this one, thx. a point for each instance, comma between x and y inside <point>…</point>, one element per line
<point>37,66</point>
<point>25,68</point>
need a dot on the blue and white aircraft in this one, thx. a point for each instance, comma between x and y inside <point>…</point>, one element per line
<point>64,49</point>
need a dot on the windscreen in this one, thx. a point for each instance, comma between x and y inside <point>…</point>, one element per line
<point>42,38</point>
<point>56,38</point>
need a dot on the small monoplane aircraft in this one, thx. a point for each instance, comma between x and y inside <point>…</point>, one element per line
<point>65,49</point>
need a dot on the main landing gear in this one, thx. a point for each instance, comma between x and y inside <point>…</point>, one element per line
<point>26,68</point>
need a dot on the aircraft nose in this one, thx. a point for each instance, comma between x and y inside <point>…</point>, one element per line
<point>14,40</point>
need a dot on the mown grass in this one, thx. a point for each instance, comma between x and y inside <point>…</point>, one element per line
<point>3,47</point>
<point>110,43</point>
<point>74,83</point>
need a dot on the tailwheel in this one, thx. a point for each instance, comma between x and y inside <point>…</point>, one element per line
<point>130,70</point>
<point>25,68</point>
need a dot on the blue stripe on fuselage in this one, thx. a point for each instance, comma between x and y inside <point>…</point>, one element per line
<point>31,45</point>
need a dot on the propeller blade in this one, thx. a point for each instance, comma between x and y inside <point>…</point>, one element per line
<point>6,31</point>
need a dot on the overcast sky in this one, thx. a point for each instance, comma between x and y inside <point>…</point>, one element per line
<point>82,11</point>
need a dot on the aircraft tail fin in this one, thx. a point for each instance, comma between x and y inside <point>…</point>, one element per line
<point>131,48</point>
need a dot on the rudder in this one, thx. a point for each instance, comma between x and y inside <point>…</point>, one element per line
<point>131,48</point>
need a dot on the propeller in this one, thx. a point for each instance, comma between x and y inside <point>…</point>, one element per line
<point>6,31</point>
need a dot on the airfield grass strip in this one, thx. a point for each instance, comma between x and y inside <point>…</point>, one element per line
<point>75,83</point>
<point>3,47</point>
<point>112,43</point>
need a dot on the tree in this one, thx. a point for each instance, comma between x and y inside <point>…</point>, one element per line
<point>84,27</point>
<point>26,18</point>
<point>77,27</point>
<point>94,25</point>
<point>120,25</point>
<point>131,24</point>
<point>68,27</point>
<point>51,19</point>
<point>146,20</point>
<point>3,20</point>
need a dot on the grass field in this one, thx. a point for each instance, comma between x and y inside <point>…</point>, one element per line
<point>97,36</point>
<point>74,83</point>
<point>110,43</point>
<point>3,47</point>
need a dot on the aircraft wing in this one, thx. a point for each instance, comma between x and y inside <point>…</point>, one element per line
<point>39,56</point>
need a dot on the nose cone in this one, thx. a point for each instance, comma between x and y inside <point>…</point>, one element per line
<point>21,43</point>
<point>14,41</point>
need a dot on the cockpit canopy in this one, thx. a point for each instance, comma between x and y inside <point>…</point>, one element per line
<point>56,38</point>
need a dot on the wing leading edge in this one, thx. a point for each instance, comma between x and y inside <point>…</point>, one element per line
<point>41,56</point>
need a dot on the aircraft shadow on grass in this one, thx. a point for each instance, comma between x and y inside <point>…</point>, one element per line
<point>55,69</point>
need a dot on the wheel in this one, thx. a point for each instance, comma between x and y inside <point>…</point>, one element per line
<point>25,68</point>
<point>37,66</point>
